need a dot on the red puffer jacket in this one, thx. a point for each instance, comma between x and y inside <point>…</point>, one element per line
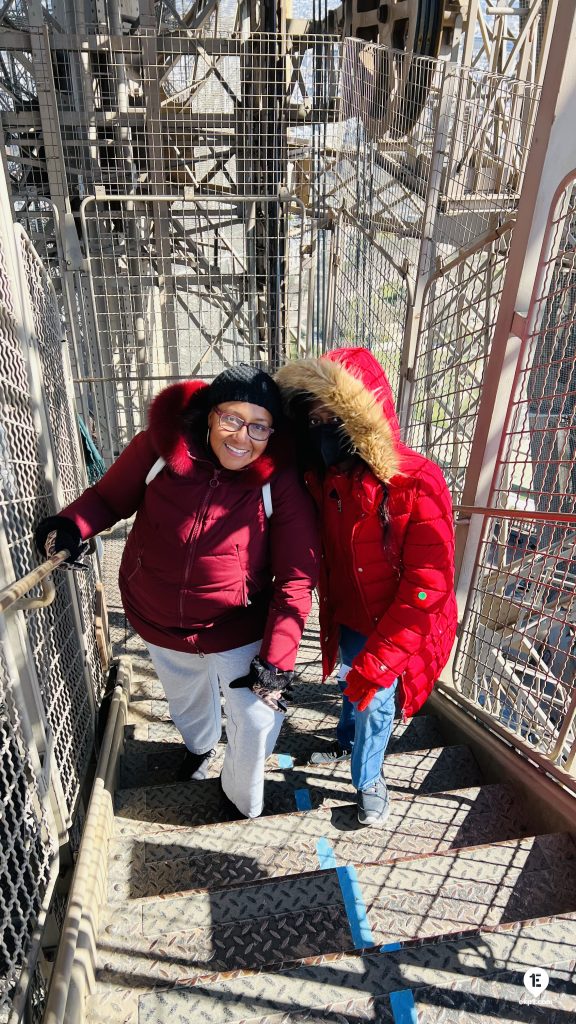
<point>203,569</point>
<point>388,538</point>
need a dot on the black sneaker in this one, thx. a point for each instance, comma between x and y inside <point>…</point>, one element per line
<point>228,810</point>
<point>195,766</point>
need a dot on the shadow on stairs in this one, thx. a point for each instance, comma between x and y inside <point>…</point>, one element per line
<point>303,915</point>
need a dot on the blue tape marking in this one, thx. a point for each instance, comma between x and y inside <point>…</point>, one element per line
<point>403,1007</point>
<point>355,907</point>
<point>302,798</point>
<point>391,947</point>
<point>285,761</point>
<point>326,855</point>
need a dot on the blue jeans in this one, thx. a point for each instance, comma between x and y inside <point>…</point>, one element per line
<point>367,732</point>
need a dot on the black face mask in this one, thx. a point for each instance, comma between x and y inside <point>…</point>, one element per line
<point>330,443</point>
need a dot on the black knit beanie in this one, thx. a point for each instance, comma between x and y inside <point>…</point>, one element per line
<point>243,383</point>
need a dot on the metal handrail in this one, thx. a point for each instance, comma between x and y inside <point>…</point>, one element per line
<point>75,955</point>
<point>529,515</point>
<point>12,597</point>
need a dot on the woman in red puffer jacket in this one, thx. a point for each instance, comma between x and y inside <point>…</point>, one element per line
<point>387,600</point>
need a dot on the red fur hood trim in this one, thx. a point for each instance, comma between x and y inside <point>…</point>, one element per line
<point>166,422</point>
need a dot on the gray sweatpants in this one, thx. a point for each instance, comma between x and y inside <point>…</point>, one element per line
<point>192,684</point>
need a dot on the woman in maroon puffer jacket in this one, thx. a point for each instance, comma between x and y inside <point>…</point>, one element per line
<point>387,575</point>
<point>217,585</point>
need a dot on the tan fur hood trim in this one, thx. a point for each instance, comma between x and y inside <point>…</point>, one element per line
<point>361,412</point>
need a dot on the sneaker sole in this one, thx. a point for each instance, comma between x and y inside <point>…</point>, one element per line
<point>381,819</point>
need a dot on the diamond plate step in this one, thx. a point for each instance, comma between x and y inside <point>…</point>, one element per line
<point>466,974</point>
<point>197,803</point>
<point>149,859</point>
<point>149,721</point>
<point>153,759</point>
<point>293,918</point>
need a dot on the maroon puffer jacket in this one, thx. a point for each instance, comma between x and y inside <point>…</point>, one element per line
<point>388,562</point>
<point>203,569</point>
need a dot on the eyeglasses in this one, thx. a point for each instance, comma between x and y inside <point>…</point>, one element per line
<point>257,431</point>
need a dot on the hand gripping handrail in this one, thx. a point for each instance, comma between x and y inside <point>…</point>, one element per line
<point>12,597</point>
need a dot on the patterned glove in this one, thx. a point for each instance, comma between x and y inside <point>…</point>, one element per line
<point>56,533</point>
<point>359,689</point>
<point>270,684</point>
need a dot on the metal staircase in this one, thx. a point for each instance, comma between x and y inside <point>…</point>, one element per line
<point>304,915</point>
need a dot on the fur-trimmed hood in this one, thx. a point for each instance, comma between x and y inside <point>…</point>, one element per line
<point>353,384</point>
<point>177,421</point>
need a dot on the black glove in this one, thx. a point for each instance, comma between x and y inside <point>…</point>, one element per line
<point>267,682</point>
<point>56,533</point>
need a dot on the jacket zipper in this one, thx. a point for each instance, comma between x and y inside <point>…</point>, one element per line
<point>193,542</point>
<point>245,600</point>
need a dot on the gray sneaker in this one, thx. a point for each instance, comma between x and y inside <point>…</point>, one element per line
<point>330,756</point>
<point>374,803</point>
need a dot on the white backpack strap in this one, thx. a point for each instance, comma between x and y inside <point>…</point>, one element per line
<point>267,499</point>
<point>266,490</point>
<point>156,468</point>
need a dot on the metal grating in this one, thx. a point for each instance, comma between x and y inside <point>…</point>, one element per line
<point>484,131</point>
<point>459,311</point>
<point>27,849</point>
<point>371,296</point>
<point>39,218</point>
<point>430,159</point>
<point>517,655</point>
<point>22,482</point>
<point>387,142</point>
<point>59,652</point>
<point>66,449</point>
<point>142,113</point>
<point>214,297</point>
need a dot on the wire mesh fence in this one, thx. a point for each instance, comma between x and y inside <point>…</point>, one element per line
<point>62,640</point>
<point>28,850</point>
<point>484,133</point>
<point>389,116</point>
<point>223,290</point>
<point>51,676</point>
<point>371,296</point>
<point>27,846</point>
<point>517,655</point>
<point>459,310</point>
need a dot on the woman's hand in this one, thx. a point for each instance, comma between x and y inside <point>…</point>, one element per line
<point>57,533</point>
<point>359,690</point>
<point>268,683</point>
